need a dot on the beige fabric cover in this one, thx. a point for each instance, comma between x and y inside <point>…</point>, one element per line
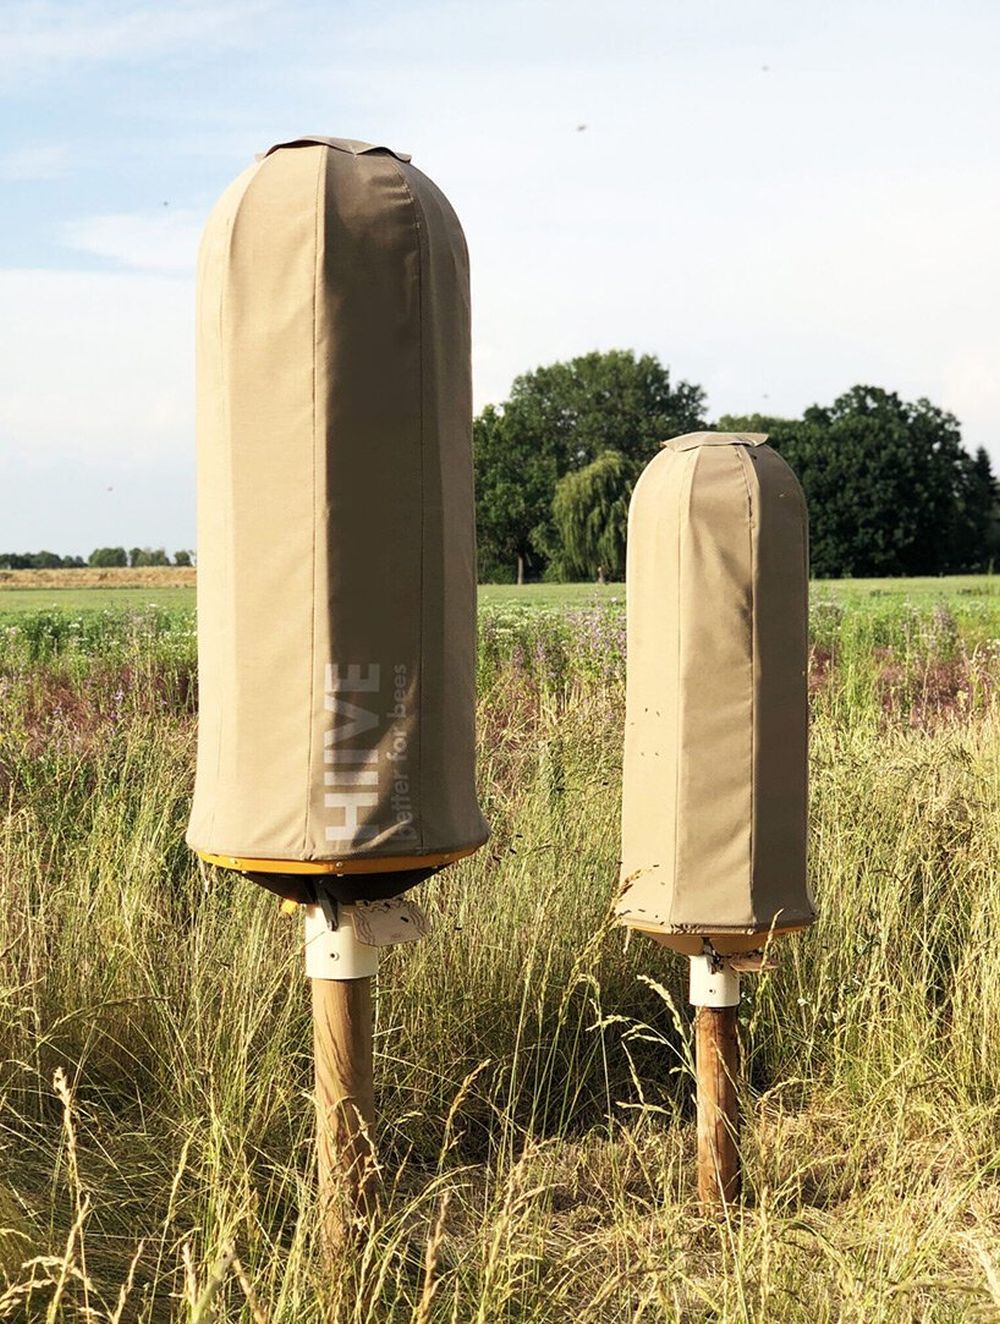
<point>715,778</point>
<point>336,545</point>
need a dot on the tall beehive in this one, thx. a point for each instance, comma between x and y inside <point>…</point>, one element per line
<point>336,543</point>
<point>715,773</point>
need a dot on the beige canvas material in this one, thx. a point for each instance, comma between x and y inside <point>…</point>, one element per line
<point>336,545</point>
<point>715,773</point>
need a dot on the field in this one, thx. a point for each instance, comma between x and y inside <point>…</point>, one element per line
<point>534,1069</point>
<point>91,588</point>
<point>174,587</point>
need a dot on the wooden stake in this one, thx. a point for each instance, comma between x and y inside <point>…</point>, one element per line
<point>345,1106</point>
<point>717,1066</point>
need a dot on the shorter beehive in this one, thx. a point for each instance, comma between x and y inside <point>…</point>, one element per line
<point>715,775</point>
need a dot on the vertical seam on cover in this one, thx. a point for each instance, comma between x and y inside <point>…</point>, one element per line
<point>804,529</point>
<point>419,224</point>
<point>683,504</point>
<point>310,770</point>
<point>743,463</point>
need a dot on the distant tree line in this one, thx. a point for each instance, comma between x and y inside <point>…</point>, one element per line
<point>100,556</point>
<point>891,489</point>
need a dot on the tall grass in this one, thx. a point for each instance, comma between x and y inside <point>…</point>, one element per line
<point>534,1069</point>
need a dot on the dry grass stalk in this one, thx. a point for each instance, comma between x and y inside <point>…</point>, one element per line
<point>431,1253</point>
<point>256,1310</point>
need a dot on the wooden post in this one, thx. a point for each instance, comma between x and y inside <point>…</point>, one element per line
<point>717,1067</point>
<point>345,1106</point>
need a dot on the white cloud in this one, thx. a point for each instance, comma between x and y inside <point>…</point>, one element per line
<point>40,36</point>
<point>38,161</point>
<point>162,241</point>
<point>96,367</point>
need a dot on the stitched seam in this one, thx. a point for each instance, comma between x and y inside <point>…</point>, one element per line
<point>683,505</point>
<point>743,466</point>
<point>317,217</point>
<point>420,225</point>
<point>808,716</point>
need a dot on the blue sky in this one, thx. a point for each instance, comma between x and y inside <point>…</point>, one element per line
<point>779,199</point>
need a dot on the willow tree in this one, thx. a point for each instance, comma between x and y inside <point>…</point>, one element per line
<point>590,512</point>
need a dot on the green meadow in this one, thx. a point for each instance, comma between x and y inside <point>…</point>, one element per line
<point>534,1068</point>
<point>20,597</point>
<point>16,600</point>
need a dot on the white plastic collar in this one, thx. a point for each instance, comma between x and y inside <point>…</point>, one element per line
<point>337,953</point>
<point>714,982</point>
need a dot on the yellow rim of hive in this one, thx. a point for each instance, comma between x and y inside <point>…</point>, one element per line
<point>369,864</point>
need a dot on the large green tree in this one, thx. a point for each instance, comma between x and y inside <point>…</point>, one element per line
<point>515,479</point>
<point>891,490</point>
<point>558,420</point>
